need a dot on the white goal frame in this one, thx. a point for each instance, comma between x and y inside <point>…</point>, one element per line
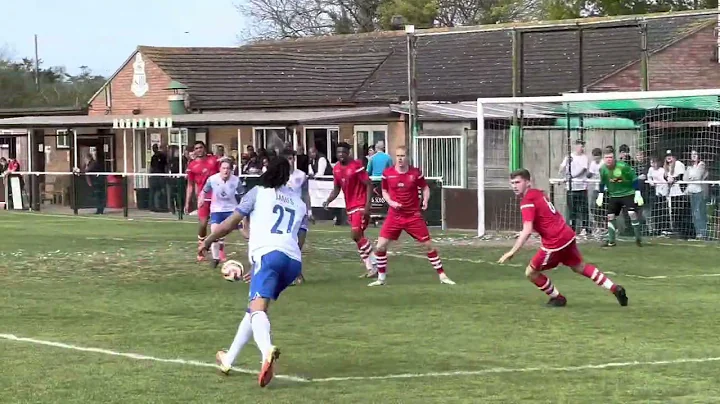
<point>564,98</point>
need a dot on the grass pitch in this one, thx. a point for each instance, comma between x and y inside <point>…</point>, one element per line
<point>153,318</point>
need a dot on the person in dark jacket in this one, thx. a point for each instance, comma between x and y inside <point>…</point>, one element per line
<point>96,183</point>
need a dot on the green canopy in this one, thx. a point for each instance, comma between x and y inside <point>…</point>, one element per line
<point>597,123</point>
<point>703,103</point>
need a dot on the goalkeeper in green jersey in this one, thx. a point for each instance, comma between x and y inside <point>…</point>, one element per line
<point>620,181</point>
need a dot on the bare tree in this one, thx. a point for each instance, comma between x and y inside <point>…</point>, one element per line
<point>298,18</point>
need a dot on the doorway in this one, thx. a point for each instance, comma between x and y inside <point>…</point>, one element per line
<point>102,149</point>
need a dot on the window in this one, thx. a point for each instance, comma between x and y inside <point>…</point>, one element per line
<point>324,139</point>
<point>268,137</point>
<point>367,136</point>
<point>108,96</point>
<point>178,137</point>
<point>62,139</point>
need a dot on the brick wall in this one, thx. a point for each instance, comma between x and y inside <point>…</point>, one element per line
<point>690,63</point>
<point>123,101</point>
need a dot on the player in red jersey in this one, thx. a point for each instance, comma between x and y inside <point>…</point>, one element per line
<point>350,176</point>
<point>198,171</point>
<point>401,186</point>
<point>558,242</point>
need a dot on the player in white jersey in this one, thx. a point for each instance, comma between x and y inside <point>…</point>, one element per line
<point>277,214</point>
<point>226,190</point>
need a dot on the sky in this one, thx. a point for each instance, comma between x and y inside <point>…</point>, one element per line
<point>101,34</point>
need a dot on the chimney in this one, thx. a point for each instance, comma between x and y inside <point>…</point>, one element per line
<point>177,98</point>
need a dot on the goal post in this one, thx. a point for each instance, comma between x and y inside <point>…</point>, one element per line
<point>677,129</point>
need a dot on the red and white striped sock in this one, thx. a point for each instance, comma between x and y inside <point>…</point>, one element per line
<point>435,261</point>
<point>381,261</point>
<point>597,276</point>
<point>365,249</point>
<point>545,284</point>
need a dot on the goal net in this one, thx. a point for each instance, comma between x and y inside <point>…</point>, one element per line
<point>670,138</point>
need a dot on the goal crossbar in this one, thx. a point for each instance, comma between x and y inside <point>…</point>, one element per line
<point>613,96</point>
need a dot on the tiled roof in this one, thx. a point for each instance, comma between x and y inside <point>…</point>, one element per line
<point>372,68</point>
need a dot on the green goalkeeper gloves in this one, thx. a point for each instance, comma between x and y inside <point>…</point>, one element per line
<point>599,200</point>
<point>639,199</point>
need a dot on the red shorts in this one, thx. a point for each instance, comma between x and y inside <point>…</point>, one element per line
<point>569,256</point>
<point>357,220</point>
<point>203,212</point>
<point>414,225</point>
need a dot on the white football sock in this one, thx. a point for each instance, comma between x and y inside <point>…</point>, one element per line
<point>261,332</point>
<point>215,248</point>
<point>242,337</point>
<point>368,263</point>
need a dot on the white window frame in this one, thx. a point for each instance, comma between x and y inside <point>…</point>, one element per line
<point>11,132</point>
<point>177,137</point>
<point>369,129</point>
<point>328,138</point>
<point>288,135</point>
<point>63,133</point>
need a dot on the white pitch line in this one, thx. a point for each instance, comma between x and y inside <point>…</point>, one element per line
<point>667,276</point>
<point>518,370</point>
<point>11,337</point>
<point>498,370</point>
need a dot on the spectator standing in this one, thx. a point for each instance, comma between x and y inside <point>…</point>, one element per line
<point>577,198</point>
<point>158,165</point>
<point>660,221</point>
<point>679,205</point>
<point>176,186</point>
<point>379,161</point>
<point>695,172</point>
<point>96,183</point>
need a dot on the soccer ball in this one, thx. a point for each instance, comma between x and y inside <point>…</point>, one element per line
<point>232,270</point>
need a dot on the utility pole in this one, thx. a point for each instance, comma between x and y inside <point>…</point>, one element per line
<point>412,90</point>
<point>37,66</point>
